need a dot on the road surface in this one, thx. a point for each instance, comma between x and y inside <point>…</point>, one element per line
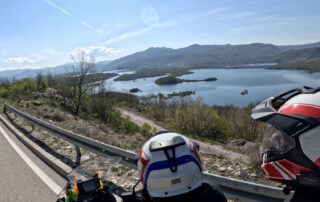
<point>23,176</point>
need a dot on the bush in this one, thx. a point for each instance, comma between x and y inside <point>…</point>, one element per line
<point>22,88</point>
<point>146,130</point>
<point>192,117</point>
<point>122,124</point>
<point>240,122</point>
<point>4,93</point>
<point>199,120</point>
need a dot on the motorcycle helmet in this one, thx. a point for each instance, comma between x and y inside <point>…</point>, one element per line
<point>291,142</point>
<point>169,165</point>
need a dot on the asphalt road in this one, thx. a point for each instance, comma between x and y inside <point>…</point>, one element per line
<point>18,181</point>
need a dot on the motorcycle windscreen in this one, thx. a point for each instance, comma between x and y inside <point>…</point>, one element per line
<point>275,142</point>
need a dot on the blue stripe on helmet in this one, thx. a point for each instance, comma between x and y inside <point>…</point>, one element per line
<point>164,165</point>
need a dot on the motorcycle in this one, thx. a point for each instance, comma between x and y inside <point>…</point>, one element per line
<point>85,182</point>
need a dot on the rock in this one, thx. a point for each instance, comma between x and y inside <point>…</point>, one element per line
<point>37,103</point>
<point>84,157</point>
<point>223,141</point>
<point>36,95</point>
<point>238,142</point>
<point>253,175</point>
<point>237,173</point>
<point>230,168</point>
<point>216,165</point>
<point>243,174</point>
<point>222,169</point>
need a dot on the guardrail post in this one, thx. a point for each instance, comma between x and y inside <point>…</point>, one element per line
<point>33,128</point>
<point>78,160</point>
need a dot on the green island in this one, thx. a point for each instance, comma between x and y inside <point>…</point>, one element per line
<point>99,77</point>
<point>153,72</point>
<point>135,90</point>
<point>169,80</point>
<point>244,92</point>
<point>181,94</point>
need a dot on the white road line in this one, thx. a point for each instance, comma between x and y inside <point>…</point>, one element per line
<point>45,178</point>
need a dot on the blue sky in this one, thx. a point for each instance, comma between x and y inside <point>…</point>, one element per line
<point>38,33</point>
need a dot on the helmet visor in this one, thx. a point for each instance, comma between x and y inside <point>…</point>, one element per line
<point>275,142</point>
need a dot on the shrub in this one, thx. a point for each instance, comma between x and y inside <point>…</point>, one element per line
<point>4,93</point>
<point>122,124</point>
<point>146,130</point>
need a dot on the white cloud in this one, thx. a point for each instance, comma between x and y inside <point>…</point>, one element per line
<point>149,16</point>
<point>161,25</point>
<point>69,14</point>
<point>88,25</point>
<point>97,51</point>
<point>103,29</point>
<point>131,34</point>
<point>21,60</point>
<point>58,7</point>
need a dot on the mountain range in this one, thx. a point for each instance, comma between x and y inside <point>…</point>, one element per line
<point>210,56</point>
<point>215,56</point>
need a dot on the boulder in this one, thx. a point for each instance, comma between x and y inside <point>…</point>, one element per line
<point>238,142</point>
<point>222,169</point>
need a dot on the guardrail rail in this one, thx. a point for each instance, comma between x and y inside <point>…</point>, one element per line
<point>234,189</point>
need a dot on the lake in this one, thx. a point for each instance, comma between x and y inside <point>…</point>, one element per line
<point>260,83</point>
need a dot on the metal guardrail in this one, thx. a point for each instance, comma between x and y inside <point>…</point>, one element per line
<point>236,190</point>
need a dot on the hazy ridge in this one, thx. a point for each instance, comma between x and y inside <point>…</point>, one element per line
<point>210,56</point>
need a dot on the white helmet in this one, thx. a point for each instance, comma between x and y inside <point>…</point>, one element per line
<point>169,165</point>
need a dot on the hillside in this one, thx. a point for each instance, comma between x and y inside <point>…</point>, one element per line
<point>293,56</point>
<point>31,73</point>
<point>299,47</point>
<point>212,56</point>
<point>195,55</point>
<point>310,65</point>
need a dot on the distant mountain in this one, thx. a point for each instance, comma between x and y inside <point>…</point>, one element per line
<point>212,56</point>
<point>195,55</point>
<point>30,73</point>
<point>299,47</point>
<point>203,55</point>
<point>304,59</point>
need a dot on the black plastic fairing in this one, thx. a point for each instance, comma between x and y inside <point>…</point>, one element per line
<point>292,125</point>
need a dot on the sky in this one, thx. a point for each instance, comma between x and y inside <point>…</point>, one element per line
<point>44,33</point>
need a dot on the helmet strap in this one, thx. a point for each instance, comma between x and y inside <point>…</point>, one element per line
<point>172,161</point>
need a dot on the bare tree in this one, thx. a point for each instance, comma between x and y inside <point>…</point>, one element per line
<point>77,79</point>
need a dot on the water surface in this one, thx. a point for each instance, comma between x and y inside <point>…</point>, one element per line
<point>260,83</point>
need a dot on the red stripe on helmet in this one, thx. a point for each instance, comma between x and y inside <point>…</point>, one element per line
<point>144,163</point>
<point>270,171</point>
<point>195,152</point>
<point>294,168</point>
<point>318,162</point>
<point>302,109</point>
<point>283,170</point>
